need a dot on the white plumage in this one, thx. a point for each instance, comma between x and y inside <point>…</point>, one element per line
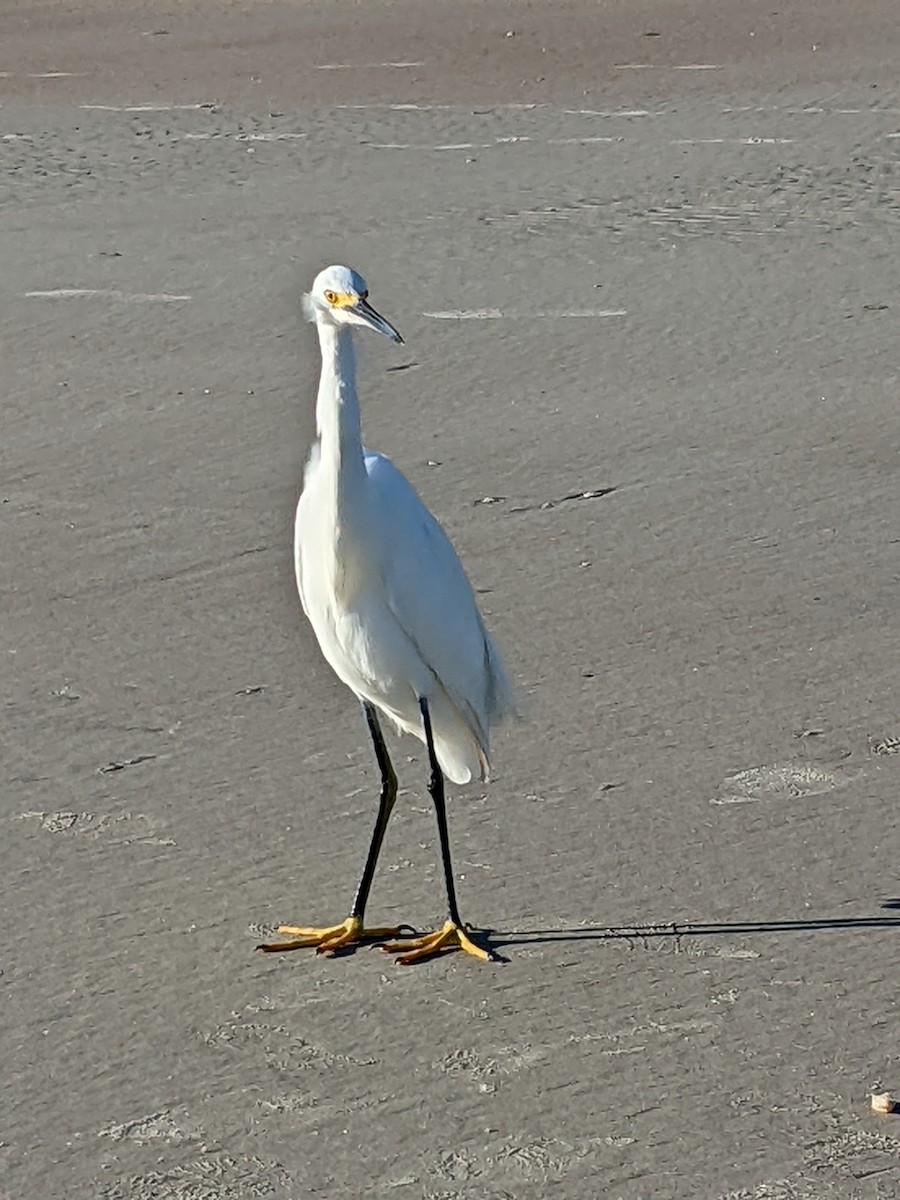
<point>394,614</point>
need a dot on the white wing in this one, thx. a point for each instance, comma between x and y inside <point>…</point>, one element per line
<point>432,600</point>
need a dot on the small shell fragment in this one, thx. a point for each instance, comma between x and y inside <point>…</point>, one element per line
<point>883,1102</point>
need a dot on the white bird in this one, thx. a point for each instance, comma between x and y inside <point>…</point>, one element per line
<point>393,612</point>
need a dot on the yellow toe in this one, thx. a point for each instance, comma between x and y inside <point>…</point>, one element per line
<point>329,938</point>
<point>449,937</point>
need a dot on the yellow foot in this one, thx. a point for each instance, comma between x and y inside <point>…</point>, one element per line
<point>334,937</point>
<point>449,937</point>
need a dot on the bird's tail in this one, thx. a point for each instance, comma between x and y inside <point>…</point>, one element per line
<point>464,750</point>
<point>461,752</point>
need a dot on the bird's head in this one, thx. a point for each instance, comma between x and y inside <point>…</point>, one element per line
<point>340,297</point>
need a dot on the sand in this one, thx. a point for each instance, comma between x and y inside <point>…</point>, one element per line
<point>672,231</point>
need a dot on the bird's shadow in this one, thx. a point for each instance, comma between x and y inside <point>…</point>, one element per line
<point>675,931</point>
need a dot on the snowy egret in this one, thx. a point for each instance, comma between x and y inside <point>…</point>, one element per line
<point>393,611</point>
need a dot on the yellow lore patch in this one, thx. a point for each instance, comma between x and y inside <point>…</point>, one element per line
<point>342,299</point>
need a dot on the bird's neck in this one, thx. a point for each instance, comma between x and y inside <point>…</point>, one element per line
<point>337,406</point>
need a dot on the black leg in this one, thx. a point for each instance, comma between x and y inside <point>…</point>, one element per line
<point>436,788</point>
<point>385,805</point>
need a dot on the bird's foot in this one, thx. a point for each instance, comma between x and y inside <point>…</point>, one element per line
<point>449,937</point>
<point>332,938</point>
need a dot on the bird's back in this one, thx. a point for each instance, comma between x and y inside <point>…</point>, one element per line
<point>432,600</point>
<point>416,618</point>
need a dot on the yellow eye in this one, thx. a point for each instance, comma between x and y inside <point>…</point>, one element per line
<point>331,297</point>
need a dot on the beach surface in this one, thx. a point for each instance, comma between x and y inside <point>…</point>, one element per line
<point>644,257</point>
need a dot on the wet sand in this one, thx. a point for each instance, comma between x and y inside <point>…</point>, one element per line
<point>644,247</point>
